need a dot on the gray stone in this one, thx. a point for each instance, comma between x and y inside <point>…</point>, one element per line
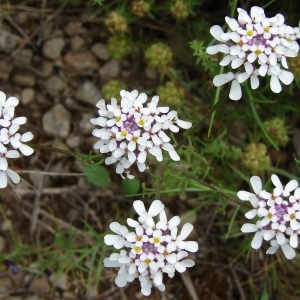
<point>57,121</point>
<point>59,280</point>
<point>47,68</point>
<point>110,70</point>
<point>54,85</point>
<point>101,51</point>
<point>8,41</point>
<point>6,69</point>
<point>24,56</point>
<point>73,141</point>
<point>52,48</point>
<point>27,96</point>
<point>25,79</point>
<point>88,93</point>
<point>77,42</point>
<point>73,28</point>
<point>81,60</point>
<point>85,125</point>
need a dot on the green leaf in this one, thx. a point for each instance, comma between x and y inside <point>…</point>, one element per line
<point>130,186</point>
<point>97,175</point>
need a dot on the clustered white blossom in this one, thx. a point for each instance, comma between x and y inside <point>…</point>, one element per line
<point>151,249</point>
<point>278,215</point>
<point>10,140</point>
<point>130,131</point>
<point>255,46</point>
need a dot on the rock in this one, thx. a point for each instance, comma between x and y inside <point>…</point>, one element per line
<point>59,280</point>
<point>52,48</point>
<point>24,56</point>
<point>88,93</point>
<point>73,141</point>
<point>8,41</point>
<point>110,70</point>
<point>81,60</point>
<point>54,85</point>
<point>85,125</point>
<point>47,68</point>
<point>6,69</point>
<point>77,42</point>
<point>6,225</point>
<point>73,28</point>
<point>57,121</point>
<point>21,18</point>
<point>27,96</point>
<point>25,79</point>
<point>40,285</point>
<point>101,51</point>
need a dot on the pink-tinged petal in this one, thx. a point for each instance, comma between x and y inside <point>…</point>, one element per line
<point>3,180</point>
<point>222,79</point>
<point>275,84</point>
<point>257,240</point>
<point>15,178</point>
<point>235,91</point>
<point>288,251</point>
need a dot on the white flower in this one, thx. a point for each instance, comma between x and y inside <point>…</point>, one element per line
<point>151,250</point>
<point>9,136</point>
<point>278,213</point>
<point>133,130</point>
<point>255,46</point>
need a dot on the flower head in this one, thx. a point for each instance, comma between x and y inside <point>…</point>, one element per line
<point>150,251</point>
<point>255,46</point>
<point>132,130</point>
<point>278,215</point>
<point>11,141</point>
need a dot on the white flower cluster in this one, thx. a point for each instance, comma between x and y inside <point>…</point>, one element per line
<point>9,135</point>
<point>152,248</point>
<point>130,131</point>
<point>279,215</point>
<point>257,44</point>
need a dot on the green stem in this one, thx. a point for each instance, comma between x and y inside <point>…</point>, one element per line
<point>160,180</point>
<point>200,122</point>
<point>255,114</point>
